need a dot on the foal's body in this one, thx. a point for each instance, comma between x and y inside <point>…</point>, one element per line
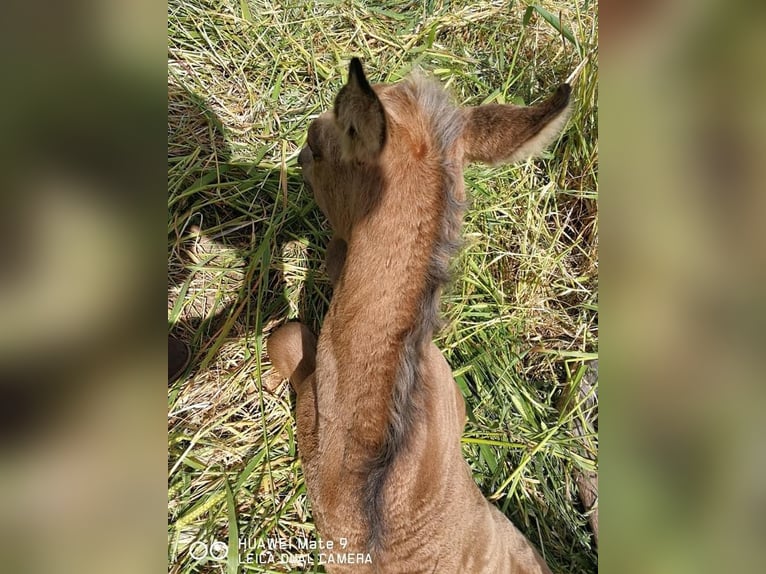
<point>379,415</point>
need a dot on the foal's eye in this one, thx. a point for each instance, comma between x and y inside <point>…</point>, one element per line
<point>311,140</point>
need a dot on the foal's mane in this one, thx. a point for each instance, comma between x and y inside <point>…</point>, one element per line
<point>444,122</point>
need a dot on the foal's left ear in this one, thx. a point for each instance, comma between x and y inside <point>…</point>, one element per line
<point>360,117</point>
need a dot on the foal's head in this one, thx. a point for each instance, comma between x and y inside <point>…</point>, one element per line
<point>411,132</point>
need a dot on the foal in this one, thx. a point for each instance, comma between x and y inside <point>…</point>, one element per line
<point>379,415</point>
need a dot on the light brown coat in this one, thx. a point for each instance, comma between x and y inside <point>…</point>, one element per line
<point>379,415</point>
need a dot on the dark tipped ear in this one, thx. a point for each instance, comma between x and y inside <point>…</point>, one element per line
<point>360,117</point>
<point>502,134</point>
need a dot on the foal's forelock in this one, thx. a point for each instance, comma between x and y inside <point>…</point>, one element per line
<point>445,120</point>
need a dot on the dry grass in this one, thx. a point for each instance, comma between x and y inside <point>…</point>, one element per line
<point>246,244</point>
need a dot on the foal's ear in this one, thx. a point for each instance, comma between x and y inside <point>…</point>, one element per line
<point>360,117</point>
<point>497,133</point>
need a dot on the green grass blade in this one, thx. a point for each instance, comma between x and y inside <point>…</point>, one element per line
<point>552,19</point>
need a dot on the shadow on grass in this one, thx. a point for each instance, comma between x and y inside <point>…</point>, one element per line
<point>237,234</point>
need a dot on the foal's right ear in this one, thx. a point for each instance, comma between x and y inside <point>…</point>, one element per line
<point>496,133</point>
<point>360,117</point>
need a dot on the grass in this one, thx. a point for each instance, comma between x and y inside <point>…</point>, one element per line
<point>246,244</point>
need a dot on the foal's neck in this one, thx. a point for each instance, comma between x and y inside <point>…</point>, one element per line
<point>384,285</point>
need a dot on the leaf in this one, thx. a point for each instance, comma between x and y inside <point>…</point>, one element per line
<point>527,15</point>
<point>551,19</point>
<point>245,10</point>
<point>232,560</point>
